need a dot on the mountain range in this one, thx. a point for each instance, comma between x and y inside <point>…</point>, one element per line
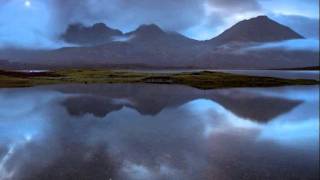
<point>149,46</point>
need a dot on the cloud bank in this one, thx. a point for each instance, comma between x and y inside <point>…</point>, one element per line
<point>40,23</point>
<point>290,45</point>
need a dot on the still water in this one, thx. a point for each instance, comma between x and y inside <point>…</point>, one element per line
<point>158,132</point>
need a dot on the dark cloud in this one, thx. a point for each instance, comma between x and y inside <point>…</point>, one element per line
<point>235,6</point>
<point>128,14</point>
<point>44,20</point>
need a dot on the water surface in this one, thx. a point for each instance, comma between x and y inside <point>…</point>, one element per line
<point>158,132</point>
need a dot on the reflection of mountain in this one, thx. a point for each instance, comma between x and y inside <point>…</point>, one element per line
<point>99,106</point>
<point>39,140</point>
<point>146,99</point>
<point>255,106</point>
<point>152,99</point>
<point>151,47</point>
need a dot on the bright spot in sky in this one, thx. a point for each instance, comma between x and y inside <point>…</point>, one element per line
<point>28,137</point>
<point>27,3</point>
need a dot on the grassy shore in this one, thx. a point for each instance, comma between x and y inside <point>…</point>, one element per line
<point>201,80</point>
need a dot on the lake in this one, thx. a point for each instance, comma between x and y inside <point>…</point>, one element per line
<point>158,132</point>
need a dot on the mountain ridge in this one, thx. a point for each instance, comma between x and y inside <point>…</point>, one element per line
<point>257,29</point>
<point>150,46</point>
<point>96,34</point>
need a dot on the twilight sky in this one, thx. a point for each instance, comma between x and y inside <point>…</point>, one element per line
<point>29,23</point>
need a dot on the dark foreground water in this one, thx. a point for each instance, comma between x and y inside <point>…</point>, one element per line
<point>147,132</point>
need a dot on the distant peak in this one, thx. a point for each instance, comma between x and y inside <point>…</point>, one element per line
<point>257,19</point>
<point>261,17</point>
<point>75,26</point>
<point>79,26</point>
<point>98,33</point>
<point>149,28</point>
<point>257,29</point>
<point>99,26</point>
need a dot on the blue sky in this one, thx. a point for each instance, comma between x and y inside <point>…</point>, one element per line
<point>29,23</point>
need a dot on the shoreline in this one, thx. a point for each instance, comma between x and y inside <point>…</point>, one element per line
<point>201,79</point>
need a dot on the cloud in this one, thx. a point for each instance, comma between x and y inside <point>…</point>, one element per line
<point>221,14</point>
<point>26,26</point>
<point>307,27</point>
<point>236,5</point>
<point>122,38</point>
<point>290,45</point>
<point>128,14</point>
<point>40,24</point>
<point>308,8</point>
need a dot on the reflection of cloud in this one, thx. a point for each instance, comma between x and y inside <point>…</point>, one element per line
<point>214,114</point>
<point>296,134</point>
<point>290,45</point>
<point>298,128</point>
<point>6,174</point>
<point>301,93</point>
<point>22,122</point>
<point>137,171</point>
<point>140,172</point>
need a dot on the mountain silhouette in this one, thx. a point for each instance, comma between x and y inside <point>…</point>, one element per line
<point>95,35</point>
<point>149,46</point>
<point>258,29</point>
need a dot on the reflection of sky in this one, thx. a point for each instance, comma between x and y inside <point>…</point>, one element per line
<point>22,115</point>
<point>22,120</point>
<point>299,128</point>
<point>210,111</point>
<point>301,125</point>
<point>173,144</point>
<point>297,134</point>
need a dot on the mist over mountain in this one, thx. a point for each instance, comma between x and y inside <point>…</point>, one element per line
<point>149,46</point>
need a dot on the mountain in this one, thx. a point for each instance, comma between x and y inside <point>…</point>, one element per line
<point>153,35</point>
<point>258,29</point>
<point>95,35</point>
<point>149,46</point>
<point>147,32</point>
